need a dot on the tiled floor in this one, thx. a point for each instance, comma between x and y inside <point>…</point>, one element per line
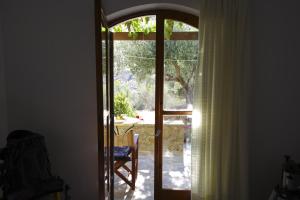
<point>176,174</point>
<point>144,183</point>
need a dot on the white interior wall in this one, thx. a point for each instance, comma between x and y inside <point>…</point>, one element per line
<point>112,6</point>
<point>276,94</point>
<point>51,83</point>
<point>3,108</point>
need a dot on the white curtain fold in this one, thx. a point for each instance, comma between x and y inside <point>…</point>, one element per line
<point>219,150</point>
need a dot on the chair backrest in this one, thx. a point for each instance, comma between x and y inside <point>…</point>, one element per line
<point>125,139</point>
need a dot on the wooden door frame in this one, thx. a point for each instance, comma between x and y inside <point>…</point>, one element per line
<point>100,21</point>
<point>111,105</point>
<point>99,87</point>
<point>171,14</point>
<point>161,14</point>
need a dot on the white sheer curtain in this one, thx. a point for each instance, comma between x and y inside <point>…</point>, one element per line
<point>219,164</point>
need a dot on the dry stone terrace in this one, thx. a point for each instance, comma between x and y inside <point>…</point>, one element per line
<point>176,160</point>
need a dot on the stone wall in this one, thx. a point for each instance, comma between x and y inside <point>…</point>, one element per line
<point>173,136</point>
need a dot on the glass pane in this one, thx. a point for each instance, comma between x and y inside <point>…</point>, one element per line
<point>104,66</point>
<point>177,152</point>
<point>105,110</point>
<point>134,99</point>
<point>180,62</point>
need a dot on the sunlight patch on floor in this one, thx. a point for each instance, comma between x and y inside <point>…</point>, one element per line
<point>176,175</point>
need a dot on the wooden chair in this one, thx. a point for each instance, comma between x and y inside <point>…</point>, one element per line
<point>126,150</point>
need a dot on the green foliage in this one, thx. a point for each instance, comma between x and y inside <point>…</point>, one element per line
<point>120,87</point>
<point>122,105</point>
<point>184,54</point>
<point>169,24</point>
<point>147,25</point>
<point>138,56</point>
<point>137,25</point>
<point>141,97</point>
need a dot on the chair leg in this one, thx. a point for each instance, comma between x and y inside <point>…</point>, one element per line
<point>137,161</point>
<point>125,179</point>
<point>134,166</point>
<point>127,169</point>
<point>118,165</point>
<point>133,171</point>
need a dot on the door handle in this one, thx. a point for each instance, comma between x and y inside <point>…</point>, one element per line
<point>158,132</point>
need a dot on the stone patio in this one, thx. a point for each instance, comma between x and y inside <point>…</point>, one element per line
<point>176,175</point>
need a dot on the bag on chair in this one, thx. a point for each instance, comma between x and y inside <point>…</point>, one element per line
<point>26,167</point>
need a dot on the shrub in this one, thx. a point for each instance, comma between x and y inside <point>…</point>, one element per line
<point>122,105</point>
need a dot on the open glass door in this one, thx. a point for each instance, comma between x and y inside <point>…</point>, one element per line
<point>177,60</point>
<point>153,74</point>
<point>104,104</point>
<point>134,93</point>
<point>106,151</point>
<point>110,97</point>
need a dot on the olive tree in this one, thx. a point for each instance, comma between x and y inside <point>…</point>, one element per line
<point>180,56</point>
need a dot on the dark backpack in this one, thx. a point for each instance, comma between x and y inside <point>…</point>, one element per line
<point>26,171</point>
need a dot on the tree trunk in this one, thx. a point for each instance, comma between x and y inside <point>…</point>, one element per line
<point>189,96</point>
<point>185,84</point>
